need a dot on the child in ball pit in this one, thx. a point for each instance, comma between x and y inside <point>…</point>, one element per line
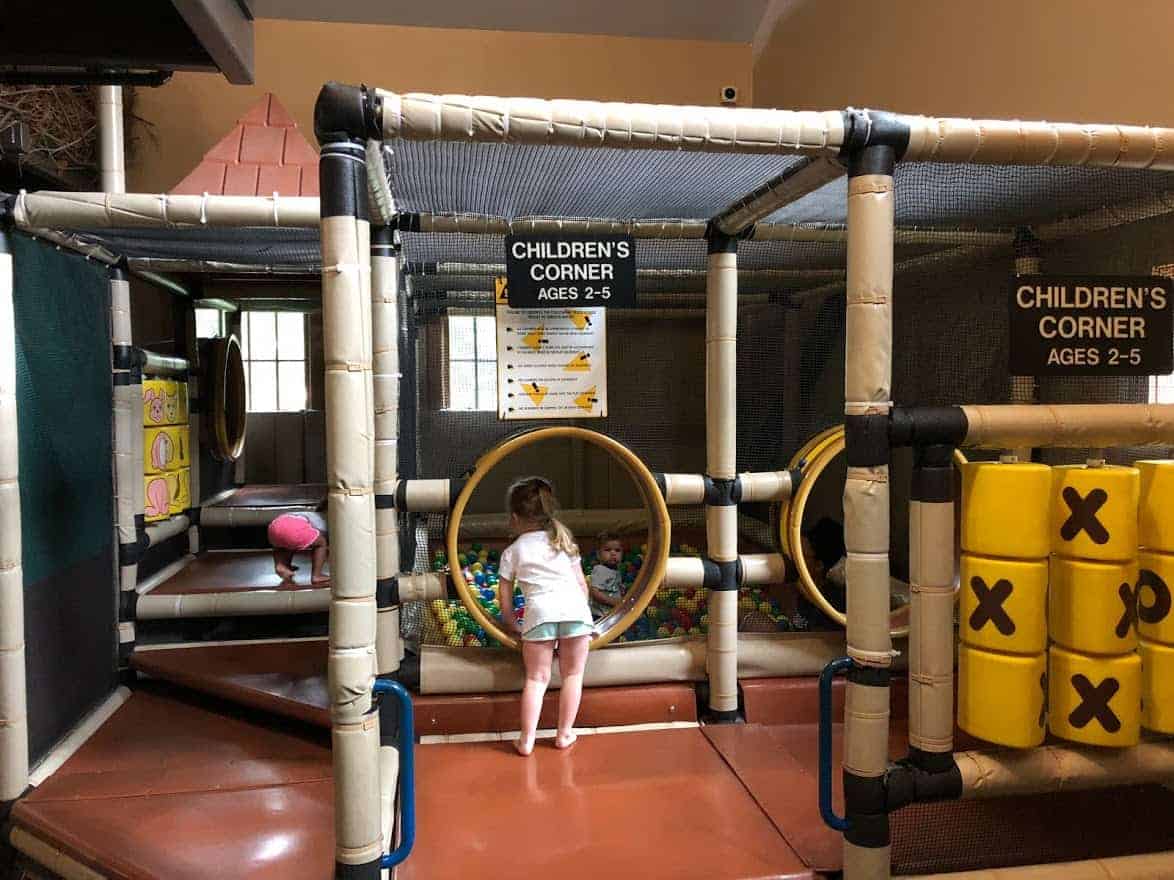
<point>544,561</point>
<point>607,582</point>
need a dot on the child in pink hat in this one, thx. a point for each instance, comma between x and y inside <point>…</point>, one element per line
<point>293,533</point>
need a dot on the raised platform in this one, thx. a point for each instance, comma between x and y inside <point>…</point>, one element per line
<point>228,571</point>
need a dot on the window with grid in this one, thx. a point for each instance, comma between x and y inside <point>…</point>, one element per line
<point>1162,389</point>
<point>472,362</point>
<point>209,323</point>
<point>273,348</point>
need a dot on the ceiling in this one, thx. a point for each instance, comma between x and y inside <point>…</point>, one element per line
<point>734,21</point>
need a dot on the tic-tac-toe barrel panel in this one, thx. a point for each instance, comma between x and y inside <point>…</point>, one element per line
<point>1155,512</point>
<point>1157,687</point>
<point>1094,512</point>
<point>1001,696</point>
<point>1094,700</point>
<point>1004,509</point>
<point>1091,605</point>
<point>1002,604</point>
<point>1155,596</point>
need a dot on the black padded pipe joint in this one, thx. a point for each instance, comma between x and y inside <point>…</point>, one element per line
<point>125,650</point>
<point>906,783</point>
<point>194,515</point>
<point>931,762</point>
<point>796,479</point>
<point>866,440</point>
<point>874,141</point>
<point>661,484</point>
<point>927,426</point>
<point>387,592</point>
<point>343,186</point>
<point>385,502</point>
<point>721,716</point>
<point>117,273</point>
<point>722,493</point>
<point>718,242</point>
<point>344,112</point>
<point>365,871</point>
<point>869,676</point>
<point>126,357</point>
<point>866,809</point>
<point>407,221</point>
<point>383,240</point>
<point>128,605</point>
<point>401,495</point>
<point>454,489</point>
<point>726,576</point>
<point>388,719</point>
<point>933,474</point>
<point>130,552</point>
<point>1025,242</point>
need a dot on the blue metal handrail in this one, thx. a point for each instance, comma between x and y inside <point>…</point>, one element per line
<point>407,772</point>
<point>836,667</point>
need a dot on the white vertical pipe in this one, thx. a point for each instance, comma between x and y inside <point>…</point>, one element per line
<point>128,429</point>
<point>386,380</point>
<point>14,749</point>
<point>721,522</point>
<point>111,140</point>
<point>350,457</point>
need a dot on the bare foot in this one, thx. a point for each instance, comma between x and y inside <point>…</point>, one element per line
<point>523,748</point>
<point>320,580</point>
<point>565,740</point>
<point>286,573</point>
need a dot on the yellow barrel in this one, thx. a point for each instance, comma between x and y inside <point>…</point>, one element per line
<point>165,449</point>
<point>1094,700</point>
<point>1094,512</point>
<point>1004,509</point>
<point>1091,605</point>
<point>1001,696</point>
<point>1155,595</point>
<point>179,486</point>
<point>1155,512</point>
<point>1157,687</point>
<point>1003,604</point>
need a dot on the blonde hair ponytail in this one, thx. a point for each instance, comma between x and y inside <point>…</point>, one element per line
<point>533,499</point>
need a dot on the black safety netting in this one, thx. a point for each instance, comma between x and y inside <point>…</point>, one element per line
<point>259,247</point>
<point>950,322</point>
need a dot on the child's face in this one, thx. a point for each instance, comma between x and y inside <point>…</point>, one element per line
<point>610,553</point>
<point>814,566</point>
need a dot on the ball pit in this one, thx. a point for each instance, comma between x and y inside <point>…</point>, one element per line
<point>672,612</point>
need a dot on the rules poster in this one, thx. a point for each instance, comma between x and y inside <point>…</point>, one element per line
<point>551,363</point>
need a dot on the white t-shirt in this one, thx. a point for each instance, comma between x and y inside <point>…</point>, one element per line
<point>548,579</point>
<point>315,519</point>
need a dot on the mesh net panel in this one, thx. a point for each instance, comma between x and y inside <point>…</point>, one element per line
<point>64,405</point>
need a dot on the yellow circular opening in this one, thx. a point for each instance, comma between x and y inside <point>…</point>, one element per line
<point>227,400</point>
<point>659,532</point>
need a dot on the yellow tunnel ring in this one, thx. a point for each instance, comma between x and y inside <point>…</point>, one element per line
<point>791,526</point>
<point>652,570</point>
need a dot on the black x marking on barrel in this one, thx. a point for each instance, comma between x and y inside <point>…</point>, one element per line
<point>1094,703</point>
<point>1156,612</point>
<point>1129,615</point>
<point>1083,516</point>
<point>990,605</point>
<point>1043,706</point>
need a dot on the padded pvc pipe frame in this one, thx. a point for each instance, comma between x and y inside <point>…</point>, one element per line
<point>14,748</point>
<point>350,461</point>
<point>659,532</point>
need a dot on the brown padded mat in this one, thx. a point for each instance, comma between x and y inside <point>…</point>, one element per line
<point>646,804</point>
<point>223,571</point>
<point>276,495</point>
<point>169,790</point>
<point>289,679</point>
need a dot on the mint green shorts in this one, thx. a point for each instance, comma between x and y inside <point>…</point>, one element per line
<point>563,629</point>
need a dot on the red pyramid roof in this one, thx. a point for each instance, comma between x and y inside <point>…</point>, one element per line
<point>265,153</point>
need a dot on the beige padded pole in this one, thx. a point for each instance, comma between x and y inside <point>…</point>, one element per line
<point>14,749</point>
<point>111,152</point>
<point>128,428</point>
<point>195,407</point>
<point>1149,866</point>
<point>1014,142</point>
<point>386,380</point>
<point>424,496</point>
<point>758,569</point>
<point>682,489</point>
<point>721,521</point>
<point>235,603</point>
<point>350,458</point>
<point>596,124</point>
<point>1079,426</point>
<point>867,397</point>
<point>69,210</point>
<point>1050,769</point>
<point>766,486</point>
<point>159,532</point>
<point>931,625</point>
<point>790,186</point>
<point>231,517</point>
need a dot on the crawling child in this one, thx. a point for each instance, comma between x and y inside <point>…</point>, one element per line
<point>292,533</point>
<point>607,584</point>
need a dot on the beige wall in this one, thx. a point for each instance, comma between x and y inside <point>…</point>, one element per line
<point>1064,60</point>
<point>294,58</point>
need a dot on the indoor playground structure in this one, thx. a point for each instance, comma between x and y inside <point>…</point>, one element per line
<point>813,455</point>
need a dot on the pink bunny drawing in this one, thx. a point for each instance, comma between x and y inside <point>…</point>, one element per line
<point>161,451</point>
<point>158,498</point>
<point>155,399</point>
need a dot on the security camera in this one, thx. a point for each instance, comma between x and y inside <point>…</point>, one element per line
<point>729,94</point>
